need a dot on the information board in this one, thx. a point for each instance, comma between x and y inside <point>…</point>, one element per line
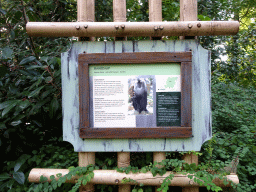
<point>135,95</point>
<point>124,95</point>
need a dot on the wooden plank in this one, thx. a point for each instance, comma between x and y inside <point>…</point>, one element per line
<point>84,94</point>
<point>186,94</point>
<point>135,133</point>
<point>145,57</point>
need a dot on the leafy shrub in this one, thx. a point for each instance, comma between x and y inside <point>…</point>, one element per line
<point>234,132</point>
<point>232,106</point>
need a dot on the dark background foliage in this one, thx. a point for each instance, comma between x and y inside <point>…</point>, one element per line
<point>30,90</point>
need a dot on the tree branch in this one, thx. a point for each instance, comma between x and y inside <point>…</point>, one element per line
<point>30,38</point>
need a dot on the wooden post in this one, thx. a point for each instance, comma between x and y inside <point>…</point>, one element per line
<point>123,160</point>
<point>155,14</point>
<point>86,13</point>
<point>158,157</point>
<point>84,159</point>
<point>119,15</point>
<point>190,158</point>
<point>188,12</point>
<point>155,10</point>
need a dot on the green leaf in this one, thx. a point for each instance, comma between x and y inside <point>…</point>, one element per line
<point>36,91</point>
<point>69,177</point>
<point>91,168</point>
<point>12,34</point>
<point>24,104</point>
<point>43,178</point>
<point>84,182</point>
<point>4,176</point>
<point>35,67</point>
<point>143,170</point>
<point>7,53</point>
<point>27,60</point>
<point>59,174</point>
<point>9,107</point>
<point>15,123</point>
<point>54,106</point>
<point>193,166</point>
<point>19,177</point>
<point>254,149</point>
<point>3,11</point>
<point>204,18</point>
<point>18,165</point>
<point>91,174</point>
<point>55,186</point>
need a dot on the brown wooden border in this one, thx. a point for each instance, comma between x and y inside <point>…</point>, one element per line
<point>184,131</point>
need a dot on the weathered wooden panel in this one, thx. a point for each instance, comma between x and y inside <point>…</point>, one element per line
<point>201,92</point>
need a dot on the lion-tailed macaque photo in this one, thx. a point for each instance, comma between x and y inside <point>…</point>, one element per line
<point>140,96</point>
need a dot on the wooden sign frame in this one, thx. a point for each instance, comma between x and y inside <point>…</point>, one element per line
<point>185,60</point>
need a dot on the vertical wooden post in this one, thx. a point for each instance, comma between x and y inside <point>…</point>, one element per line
<point>119,10</point>
<point>155,14</point>
<point>158,157</point>
<point>123,160</point>
<point>190,158</point>
<point>84,159</point>
<point>155,10</point>
<point>119,15</point>
<point>86,13</point>
<point>188,12</point>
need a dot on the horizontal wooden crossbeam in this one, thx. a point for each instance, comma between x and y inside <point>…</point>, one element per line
<point>115,29</point>
<point>112,177</point>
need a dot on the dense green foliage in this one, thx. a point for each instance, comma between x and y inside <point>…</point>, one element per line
<point>30,95</point>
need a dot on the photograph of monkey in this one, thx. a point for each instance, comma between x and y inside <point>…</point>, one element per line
<point>140,95</point>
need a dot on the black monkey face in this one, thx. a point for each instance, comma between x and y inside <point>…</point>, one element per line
<point>140,84</point>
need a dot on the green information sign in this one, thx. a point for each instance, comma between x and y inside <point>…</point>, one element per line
<point>168,109</point>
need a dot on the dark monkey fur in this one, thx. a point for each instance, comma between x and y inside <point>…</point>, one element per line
<point>140,96</point>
